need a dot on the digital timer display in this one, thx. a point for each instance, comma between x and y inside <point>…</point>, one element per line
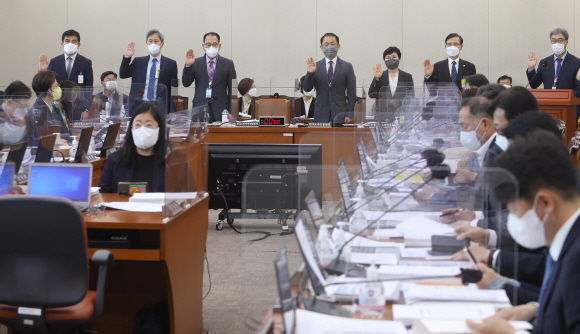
<point>272,120</point>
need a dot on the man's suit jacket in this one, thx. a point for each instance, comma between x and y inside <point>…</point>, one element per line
<point>441,72</point>
<point>310,112</point>
<point>82,65</point>
<point>566,78</point>
<point>221,87</point>
<point>137,70</point>
<point>330,102</point>
<point>115,104</point>
<point>388,103</point>
<point>560,309</point>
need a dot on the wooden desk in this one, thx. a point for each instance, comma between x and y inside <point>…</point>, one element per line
<point>98,166</point>
<point>167,267</point>
<point>560,104</point>
<point>336,143</point>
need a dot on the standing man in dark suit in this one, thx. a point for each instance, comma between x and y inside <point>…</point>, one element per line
<point>332,77</point>
<point>72,66</point>
<point>557,71</point>
<point>213,77</point>
<point>544,211</point>
<point>451,69</point>
<point>397,85</point>
<point>152,76</point>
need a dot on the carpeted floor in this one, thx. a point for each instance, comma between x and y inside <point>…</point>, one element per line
<point>243,284</point>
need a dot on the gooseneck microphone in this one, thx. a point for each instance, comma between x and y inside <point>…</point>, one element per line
<point>542,65</point>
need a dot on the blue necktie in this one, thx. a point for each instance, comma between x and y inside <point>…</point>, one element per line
<point>453,71</point>
<point>151,87</point>
<point>547,273</point>
<point>558,67</point>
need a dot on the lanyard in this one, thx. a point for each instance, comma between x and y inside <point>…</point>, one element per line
<point>63,115</point>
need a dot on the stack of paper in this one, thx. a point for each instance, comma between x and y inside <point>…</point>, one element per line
<point>391,288</point>
<point>415,292</point>
<point>386,271</point>
<point>442,311</point>
<point>455,326</point>
<point>161,197</point>
<point>137,207</point>
<point>308,322</point>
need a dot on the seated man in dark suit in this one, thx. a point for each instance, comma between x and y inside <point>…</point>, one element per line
<point>111,101</point>
<point>151,76</point>
<point>398,84</point>
<point>544,211</point>
<point>451,69</point>
<point>307,101</point>
<point>557,71</point>
<point>213,77</point>
<point>333,77</point>
<point>72,66</point>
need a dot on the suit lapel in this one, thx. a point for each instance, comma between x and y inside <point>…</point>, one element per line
<point>565,63</point>
<point>549,77</point>
<point>339,64</point>
<point>162,67</point>
<point>75,67</point>
<point>460,70</point>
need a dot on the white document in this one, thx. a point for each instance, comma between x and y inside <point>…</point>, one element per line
<point>386,271</point>
<point>361,241</point>
<point>388,233</point>
<point>391,287</point>
<point>422,253</point>
<point>416,239</point>
<point>455,326</point>
<point>400,216</point>
<point>441,311</point>
<point>460,264</point>
<point>95,191</point>
<point>415,292</point>
<point>376,258</point>
<point>135,206</point>
<point>161,197</point>
<point>424,226</point>
<point>308,322</point>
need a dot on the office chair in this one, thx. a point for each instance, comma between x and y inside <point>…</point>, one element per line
<point>44,266</point>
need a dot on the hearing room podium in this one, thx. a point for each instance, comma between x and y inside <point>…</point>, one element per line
<point>560,104</point>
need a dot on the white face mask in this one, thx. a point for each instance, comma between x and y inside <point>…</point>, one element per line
<point>153,49</point>
<point>558,48</point>
<point>70,48</point>
<point>528,230</point>
<point>452,51</point>
<point>502,142</point>
<point>211,51</point>
<point>309,94</point>
<point>252,92</point>
<point>11,134</point>
<point>469,139</point>
<point>20,113</point>
<point>507,86</point>
<point>145,137</point>
<point>111,85</point>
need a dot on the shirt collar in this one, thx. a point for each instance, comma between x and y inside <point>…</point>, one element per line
<point>561,235</point>
<point>74,57</point>
<point>483,149</point>
<point>563,57</point>
<point>451,60</point>
<point>333,60</point>
<point>158,58</point>
<point>246,98</point>
<point>207,59</point>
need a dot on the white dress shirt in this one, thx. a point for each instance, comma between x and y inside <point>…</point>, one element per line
<point>393,82</point>
<point>247,100</point>
<point>307,105</point>
<point>561,235</point>
<point>157,68</point>
<point>483,150</point>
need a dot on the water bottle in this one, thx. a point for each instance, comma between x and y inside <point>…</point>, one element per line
<point>372,294</point>
<point>225,116</point>
<point>358,222</point>
<point>73,147</point>
<point>406,158</point>
<point>324,246</point>
<point>360,191</point>
<point>122,112</point>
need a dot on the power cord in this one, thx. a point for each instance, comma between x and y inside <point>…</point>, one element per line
<point>208,274</point>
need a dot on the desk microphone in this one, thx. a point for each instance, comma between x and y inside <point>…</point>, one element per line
<point>542,65</point>
<point>276,96</point>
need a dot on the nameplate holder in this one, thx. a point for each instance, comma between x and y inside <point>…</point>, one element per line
<point>320,124</point>
<point>110,151</point>
<point>172,209</point>
<point>88,158</point>
<point>247,123</point>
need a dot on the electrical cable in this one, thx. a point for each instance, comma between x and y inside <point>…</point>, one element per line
<point>208,274</point>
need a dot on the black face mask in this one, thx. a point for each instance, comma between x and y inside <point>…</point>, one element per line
<point>392,63</point>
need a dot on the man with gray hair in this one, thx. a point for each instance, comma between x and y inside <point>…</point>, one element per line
<point>152,76</point>
<point>557,71</point>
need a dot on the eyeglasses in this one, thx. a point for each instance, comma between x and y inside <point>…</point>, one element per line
<point>209,45</point>
<point>559,41</point>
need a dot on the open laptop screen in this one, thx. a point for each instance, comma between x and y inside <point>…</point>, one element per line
<point>71,181</point>
<point>6,173</point>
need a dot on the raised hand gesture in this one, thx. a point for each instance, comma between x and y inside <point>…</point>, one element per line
<point>310,65</point>
<point>428,68</point>
<point>130,51</point>
<point>377,71</point>
<point>532,60</point>
<point>43,63</point>
<point>189,57</point>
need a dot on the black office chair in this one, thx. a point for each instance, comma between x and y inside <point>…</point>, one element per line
<point>44,266</point>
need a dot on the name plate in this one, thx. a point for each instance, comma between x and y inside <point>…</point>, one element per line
<point>87,158</point>
<point>256,123</point>
<point>172,209</point>
<point>320,124</point>
<point>110,151</point>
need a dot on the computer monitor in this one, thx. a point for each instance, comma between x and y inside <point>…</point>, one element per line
<point>84,143</point>
<point>71,181</point>
<point>366,166</point>
<point>110,138</point>
<point>16,155</point>
<point>308,250</point>
<point>285,289</point>
<point>6,177</point>
<point>45,149</point>
<point>343,183</point>
<point>315,210</point>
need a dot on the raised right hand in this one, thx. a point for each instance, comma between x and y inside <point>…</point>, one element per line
<point>43,63</point>
<point>310,65</point>
<point>428,68</point>
<point>189,57</point>
<point>130,51</point>
<point>532,60</point>
<point>377,71</point>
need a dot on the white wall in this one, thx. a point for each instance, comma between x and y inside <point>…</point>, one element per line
<point>269,40</point>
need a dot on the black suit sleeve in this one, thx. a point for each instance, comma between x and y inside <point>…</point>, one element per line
<point>537,81</point>
<point>174,79</point>
<point>308,82</point>
<point>433,77</point>
<point>88,79</point>
<point>376,85</point>
<point>522,295</point>
<point>126,70</point>
<point>188,75</point>
<point>50,66</point>
<point>523,266</point>
<point>231,76</point>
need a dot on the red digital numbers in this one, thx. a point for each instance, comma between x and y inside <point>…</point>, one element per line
<point>271,121</point>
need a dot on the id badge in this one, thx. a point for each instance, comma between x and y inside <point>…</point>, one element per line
<point>463,82</point>
<point>157,74</point>
<point>81,79</point>
<point>208,93</point>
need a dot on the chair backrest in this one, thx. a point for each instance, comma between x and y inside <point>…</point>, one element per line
<point>273,107</point>
<point>235,110</point>
<point>43,252</point>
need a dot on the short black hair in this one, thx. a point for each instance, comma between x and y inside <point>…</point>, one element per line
<point>477,80</point>
<point>537,160</point>
<point>490,91</point>
<point>17,90</point>
<point>454,34</point>
<point>43,81</point>
<point>390,50</point>
<point>128,152</point>
<point>331,34</point>
<point>211,33</point>
<point>479,107</point>
<point>108,73</point>
<point>503,77</point>
<point>71,32</point>
<point>530,121</point>
<point>245,85</point>
<point>471,92</point>
<point>516,101</point>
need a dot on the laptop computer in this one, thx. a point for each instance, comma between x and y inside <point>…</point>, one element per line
<point>71,181</point>
<point>45,149</point>
<point>84,143</point>
<point>110,138</point>
<point>6,176</point>
<point>16,155</point>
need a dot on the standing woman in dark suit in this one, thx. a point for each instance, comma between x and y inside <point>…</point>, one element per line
<point>248,91</point>
<point>398,84</point>
<point>307,101</point>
